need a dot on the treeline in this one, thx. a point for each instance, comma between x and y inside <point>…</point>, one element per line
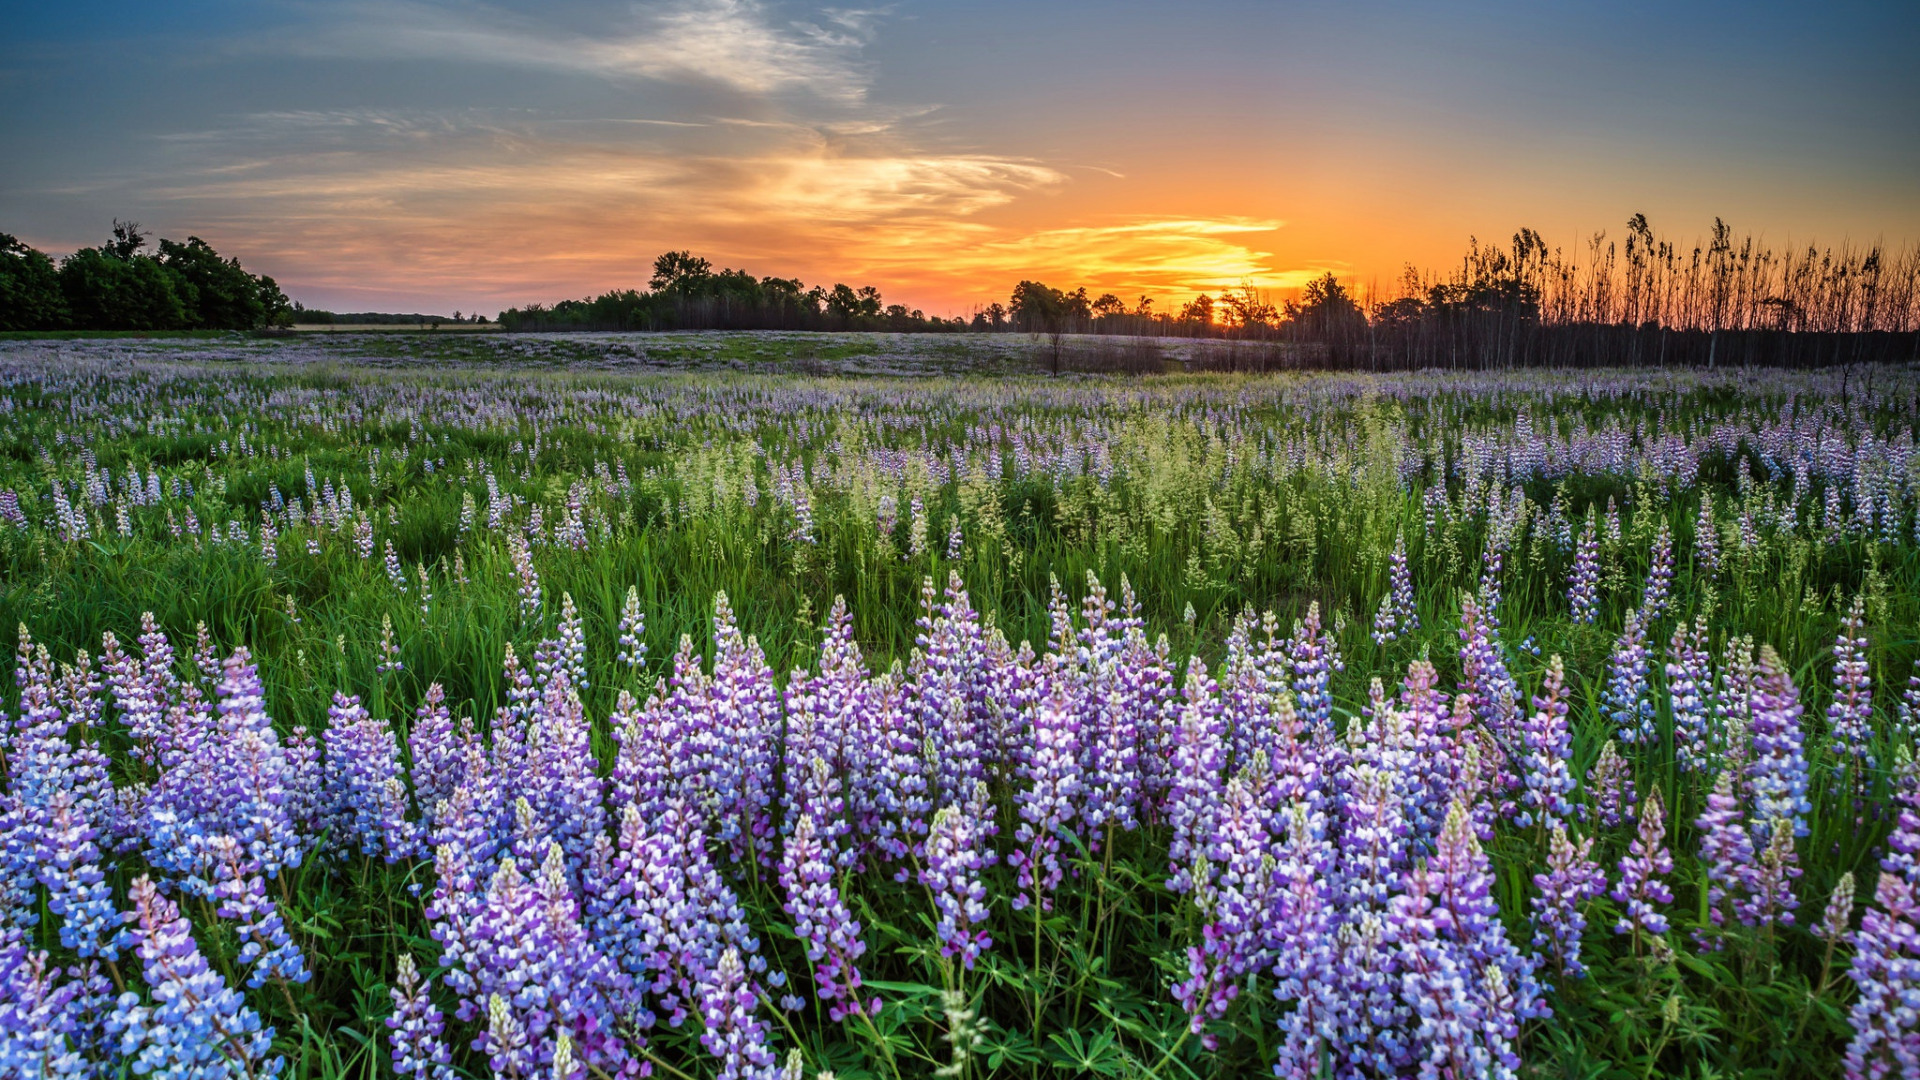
<point>306,316</point>
<point>120,285</point>
<point>687,293</point>
<point>1644,299</point>
<point>1640,300</point>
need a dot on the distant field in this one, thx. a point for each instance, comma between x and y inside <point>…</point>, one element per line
<point>355,328</point>
<point>771,351</point>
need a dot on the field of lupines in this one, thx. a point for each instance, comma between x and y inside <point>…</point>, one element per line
<point>463,722</point>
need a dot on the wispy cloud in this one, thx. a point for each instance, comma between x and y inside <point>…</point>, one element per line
<point>735,44</point>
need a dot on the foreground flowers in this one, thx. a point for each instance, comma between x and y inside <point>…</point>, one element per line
<point>1345,873</point>
<point>1381,830</point>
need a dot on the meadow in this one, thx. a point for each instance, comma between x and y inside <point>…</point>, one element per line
<point>572,707</point>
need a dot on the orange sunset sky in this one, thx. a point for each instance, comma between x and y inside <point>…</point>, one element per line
<point>403,155</point>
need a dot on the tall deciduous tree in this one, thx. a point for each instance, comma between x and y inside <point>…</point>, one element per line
<point>30,296</point>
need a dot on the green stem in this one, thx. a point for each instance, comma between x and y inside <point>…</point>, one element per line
<point>1171,1050</point>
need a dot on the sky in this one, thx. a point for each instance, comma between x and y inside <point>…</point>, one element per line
<point>403,155</point>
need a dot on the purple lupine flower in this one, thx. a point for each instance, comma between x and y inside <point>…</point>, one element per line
<point>1199,759</point>
<point>525,942</point>
<point>1706,539</point>
<point>1834,924</point>
<point>734,1034</point>
<point>1777,775</point>
<point>1492,560</point>
<point>619,887</point>
<point>744,720</point>
<point>395,574</point>
<point>1468,987</point>
<point>303,781</point>
<point>389,650</point>
<point>1850,716</point>
<point>205,659</point>
<point>367,799</point>
<point>1048,801</point>
<point>42,1020</point>
<point>832,719</point>
<point>1642,887</point>
<point>1440,756</point>
<point>1653,600</point>
<point>229,782</point>
<point>474,816</point>
<point>438,755</point>
<point>632,650</point>
<point>1253,682</point>
<point>43,763</point>
<point>1907,716</point>
<point>677,937</point>
<point>510,720</point>
<point>1111,728</point>
<point>528,839</point>
<point>821,920</point>
<point>1237,937</point>
<point>505,1042</point>
<point>1690,688</point>
<point>1886,973</point>
<point>1583,586</point>
<point>1146,694</point>
<point>643,768</point>
<point>1572,878</point>
<point>1386,622</point>
<point>144,689</point>
<point>893,809</point>
<point>562,785</point>
<point>1373,837</point>
<point>196,1025</point>
<point>1549,747</point>
<point>1304,943</point>
<point>714,919</point>
<point>1726,848</point>
<point>948,653</point>
<point>419,1050</point>
<point>1772,901</point>
<point>459,881</point>
<point>956,856</point>
<point>529,580</point>
<point>1484,676</point>
<point>1368,1016</point>
<point>565,652</point>
<point>68,863</point>
<point>1405,608</point>
<point>1398,614</point>
<point>267,951</point>
<point>1626,700</point>
<point>1315,657</point>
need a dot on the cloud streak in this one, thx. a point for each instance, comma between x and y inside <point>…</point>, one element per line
<point>733,44</point>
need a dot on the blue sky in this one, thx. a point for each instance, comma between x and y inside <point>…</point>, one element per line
<point>401,154</point>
